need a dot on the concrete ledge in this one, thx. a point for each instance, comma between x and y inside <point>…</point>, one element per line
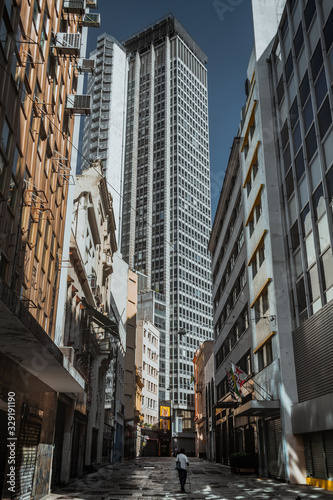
<point>24,341</point>
<point>313,415</point>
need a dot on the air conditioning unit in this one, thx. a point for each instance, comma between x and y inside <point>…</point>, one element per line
<point>91,4</point>
<point>91,20</point>
<point>74,6</point>
<point>68,43</point>
<point>87,66</point>
<point>68,352</point>
<point>78,104</point>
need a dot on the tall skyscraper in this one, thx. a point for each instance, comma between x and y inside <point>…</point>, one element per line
<point>166,208</point>
<point>103,135</point>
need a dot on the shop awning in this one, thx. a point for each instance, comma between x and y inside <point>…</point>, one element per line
<point>102,321</point>
<point>258,408</point>
<point>24,341</point>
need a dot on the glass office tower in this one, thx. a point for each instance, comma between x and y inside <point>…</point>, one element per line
<point>166,207</point>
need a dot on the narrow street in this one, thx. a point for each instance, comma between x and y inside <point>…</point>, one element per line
<point>156,478</point>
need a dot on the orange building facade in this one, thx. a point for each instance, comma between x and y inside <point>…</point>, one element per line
<point>40,61</point>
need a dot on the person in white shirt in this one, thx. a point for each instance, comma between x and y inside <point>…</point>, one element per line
<point>182,471</point>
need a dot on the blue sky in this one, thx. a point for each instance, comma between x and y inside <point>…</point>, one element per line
<point>223,29</point>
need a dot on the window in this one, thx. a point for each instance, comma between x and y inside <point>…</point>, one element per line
<point>294,234</point>
<point>304,88</point>
<point>306,221</point>
<point>6,136</point>
<point>298,40</point>
<point>284,135</point>
<point>327,263</point>
<point>319,202</point>
<point>293,113</point>
<point>287,158</point>
<point>280,91</point>
<point>316,61</point>
<point>311,143</point>
<point>321,88</point>
<point>297,138</point>
<point>324,118</point>
<point>328,32</point>
<point>309,12</point>
<point>299,164</point>
<point>289,183</point>
<point>301,297</point>
<point>329,180</point>
<point>289,67</point>
<point>308,115</point>
<point>261,255</point>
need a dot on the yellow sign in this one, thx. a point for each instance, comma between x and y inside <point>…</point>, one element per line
<point>165,411</point>
<point>165,424</point>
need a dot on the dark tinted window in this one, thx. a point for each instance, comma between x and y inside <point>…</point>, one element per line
<point>316,61</point>
<point>294,233</point>
<point>293,113</point>
<point>329,180</point>
<point>328,31</point>
<point>284,26</point>
<point>301,297</point>
<point>287,158</point>
<point>321,87</point>
<point>299,164</point>
<point>289,183</point>
<point>318,199</point>
<point>297,138</point>
<point>284,135</point>
<point>311,143</point>
<point>309,12</point>
<point>289,66</point>
<point>298,40</point>
<point>292,4</point>
<point>280,92</point>
<point>304,88</point>
<point>308,115</point>
<point>324,118</point>
<point>305,220</point>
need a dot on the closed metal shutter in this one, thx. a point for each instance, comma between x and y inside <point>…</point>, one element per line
<point>58,442</point>
<point>271,449</point>
<point>328,443</point>
<point>308,455</point>
<point>313,347</point>
<point>75,448</point>
<point>275,459</point>
<point>26,459</point>
<point>318,455</point>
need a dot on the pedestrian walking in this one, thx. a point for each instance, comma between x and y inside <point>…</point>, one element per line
<point>181,465</point>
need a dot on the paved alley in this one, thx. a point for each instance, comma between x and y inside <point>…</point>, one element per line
<point>157,479</point>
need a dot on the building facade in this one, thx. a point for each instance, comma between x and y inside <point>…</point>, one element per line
<point>167,195</point>
<point>147,359</point>
<point>285,155</point>
<point>90,328</point>
<point>40,47</point>
<point>202,389</point>
<point>232,327</point>
<point>103,134</point>
<point>301,70</point>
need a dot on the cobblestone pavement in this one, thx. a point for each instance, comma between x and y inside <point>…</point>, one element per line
<point>157,479</point>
